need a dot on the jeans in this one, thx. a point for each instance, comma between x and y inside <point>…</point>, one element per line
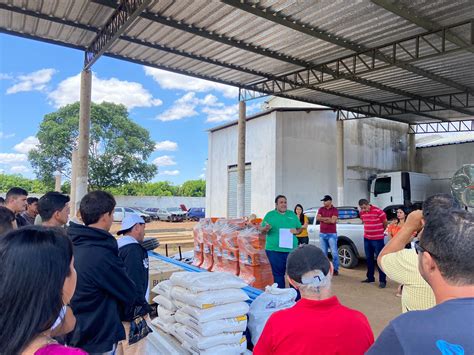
<point>330,240</point>
<point>277,261</point>
<point>372,249</point>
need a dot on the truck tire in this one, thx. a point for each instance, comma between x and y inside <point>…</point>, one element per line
<point>347,257</point>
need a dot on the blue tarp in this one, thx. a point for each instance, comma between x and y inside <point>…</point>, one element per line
<point>251,291</point>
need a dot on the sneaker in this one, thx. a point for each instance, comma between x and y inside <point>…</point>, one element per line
<point>367,281</point>
<point>382,285</point>
<point>335,273</point>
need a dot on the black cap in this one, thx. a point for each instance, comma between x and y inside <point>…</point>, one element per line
<point>326,198</point>
<point>304,259</point>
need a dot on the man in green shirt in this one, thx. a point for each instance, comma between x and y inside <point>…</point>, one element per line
<point>280,225</point>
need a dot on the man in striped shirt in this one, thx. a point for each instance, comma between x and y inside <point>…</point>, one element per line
<point>375,222</point>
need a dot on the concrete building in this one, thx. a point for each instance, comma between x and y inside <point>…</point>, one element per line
<point>292,151</point>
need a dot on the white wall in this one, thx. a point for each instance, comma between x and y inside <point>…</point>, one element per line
<point>260,152</point>
<point>442,162</point>
<point>371,146</point>
<point>306,156</point>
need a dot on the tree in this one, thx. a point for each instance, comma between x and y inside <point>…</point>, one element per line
<point>194,188</point>
<point>32,186</point>
<point>118,148</point>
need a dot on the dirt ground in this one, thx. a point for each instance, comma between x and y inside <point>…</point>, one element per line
<point>379,305</point>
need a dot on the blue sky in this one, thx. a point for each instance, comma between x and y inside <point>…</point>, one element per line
<point>37,78</point>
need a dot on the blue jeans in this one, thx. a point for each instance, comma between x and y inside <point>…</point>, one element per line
<point>277,261</point>
<point>330,240</point>
<point>372,249</point>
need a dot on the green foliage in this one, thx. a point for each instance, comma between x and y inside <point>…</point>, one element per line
<point>194,188</point>
<point>32,186</point>
<point>119,148</point>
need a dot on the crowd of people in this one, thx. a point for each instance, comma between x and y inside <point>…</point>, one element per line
<point>70,287</point>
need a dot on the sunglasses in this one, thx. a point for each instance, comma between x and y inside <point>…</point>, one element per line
<point>419,249</point>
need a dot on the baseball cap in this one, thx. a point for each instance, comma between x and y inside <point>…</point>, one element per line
<point>326,198</point>
<point>304,259</point>
<point>129,221</point>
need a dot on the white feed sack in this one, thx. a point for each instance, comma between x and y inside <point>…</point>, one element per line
<point>164,326</point>
<point>272,300</point>
<point>163,288</point>
<point>206,281</point>
<point>215,327</point>
<point>226,349</point>
<point>200,342</point>
<point>165,315</point>
<point>208,299</point>
<point>165,302</point>
<point>230,310</point>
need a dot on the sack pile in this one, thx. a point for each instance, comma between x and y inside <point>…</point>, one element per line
<point>206,312</point>
<point>235,246</point>
<point>272,300</point>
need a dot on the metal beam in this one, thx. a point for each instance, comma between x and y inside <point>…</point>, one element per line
<point>455,126</point>
<point>455,101</point>
<point>292,84</point>
<point>428,25</point>
<point>121,19</point>
<point>313,31</point>
<point>202,32</point>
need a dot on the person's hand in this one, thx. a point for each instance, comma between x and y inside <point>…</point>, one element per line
<point>414,221</point>
<point>266,228</point>
<point>293,231</point>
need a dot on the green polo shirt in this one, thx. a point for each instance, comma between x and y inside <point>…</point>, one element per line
<point>277,221</point>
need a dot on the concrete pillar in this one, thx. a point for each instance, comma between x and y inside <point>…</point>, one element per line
<point>411,153</point>
<point>57,182</point>
<point>241,161</point>
<point>72,195</point>
<point>84,133</point>
<point>340,161</point>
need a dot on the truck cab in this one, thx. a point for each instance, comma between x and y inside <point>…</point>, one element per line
<point>398,188</point>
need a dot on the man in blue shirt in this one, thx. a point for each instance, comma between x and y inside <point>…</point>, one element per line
<point>445,262</point>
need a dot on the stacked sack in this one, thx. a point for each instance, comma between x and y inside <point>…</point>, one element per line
<point>211,312</point>
<point>166,307</point>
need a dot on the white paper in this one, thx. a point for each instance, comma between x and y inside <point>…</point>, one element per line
<point>286,238</point>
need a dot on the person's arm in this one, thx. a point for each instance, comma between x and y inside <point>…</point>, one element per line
<point>117,283</point>
<point>298,227</point>
<point>306,222</point>
<point>387,343</point>
<point>133,261</point>
<point>404,236</point>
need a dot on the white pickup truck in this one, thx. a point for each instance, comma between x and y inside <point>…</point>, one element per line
<point>350,231</point>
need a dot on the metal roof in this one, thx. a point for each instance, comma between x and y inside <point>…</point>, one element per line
<point>410,61</point>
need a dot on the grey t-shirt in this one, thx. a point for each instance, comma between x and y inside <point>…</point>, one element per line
<point>444,329</point>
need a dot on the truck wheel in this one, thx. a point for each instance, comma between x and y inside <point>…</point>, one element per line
<point>347,257</point>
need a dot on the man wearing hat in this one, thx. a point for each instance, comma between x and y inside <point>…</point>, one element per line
<point>317,323</point>
<point>135,258</point>
<point>327,217</point>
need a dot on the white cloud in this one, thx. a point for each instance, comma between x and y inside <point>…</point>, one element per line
<point>166,145</point>
<point>169,80</point>
<point>35,81</point>
<point>202,176</point>
<point>4,135</point>
<point>5,76</point>
<point>211,100</point>
<point>221,114</point>
<point>130,94</point>
<point>26,145</point>
<point>184,107</point>
<point>19,169</point>
<point>169,172</point>
<point>164,160</point>
<point>12,158</point>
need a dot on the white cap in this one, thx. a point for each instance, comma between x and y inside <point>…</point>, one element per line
<point>129,221</point>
